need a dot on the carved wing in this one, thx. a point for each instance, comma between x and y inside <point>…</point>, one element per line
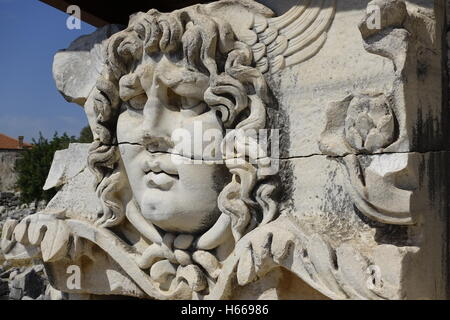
<point>294,37</point>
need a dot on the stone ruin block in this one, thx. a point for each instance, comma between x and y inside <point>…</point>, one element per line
<point>346,197</point>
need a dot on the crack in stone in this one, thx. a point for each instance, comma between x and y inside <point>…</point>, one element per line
<point>292,157</point>
<point>159,152</point>
<point>362,154</point>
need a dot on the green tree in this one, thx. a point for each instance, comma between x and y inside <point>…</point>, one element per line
<point>86,135</point>
<point>34,165</point>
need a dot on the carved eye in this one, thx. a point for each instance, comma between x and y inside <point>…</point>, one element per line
<point>138,102</point>
<point>174,100</point>
<point>199,109</point>
<point>188,106</point>
<point>194,109</point>
<point>140,30</point>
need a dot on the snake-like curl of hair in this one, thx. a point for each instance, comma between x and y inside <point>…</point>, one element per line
<point>207,45</point>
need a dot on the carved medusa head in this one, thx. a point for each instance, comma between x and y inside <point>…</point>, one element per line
<point>168,71</point>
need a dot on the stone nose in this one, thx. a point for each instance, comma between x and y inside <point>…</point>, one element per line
<point>157,143</point>
<point>151,166</point>
<point>159,121</point>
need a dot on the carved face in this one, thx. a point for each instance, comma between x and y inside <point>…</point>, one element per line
<point>181,74</point>
<point>173,193</point>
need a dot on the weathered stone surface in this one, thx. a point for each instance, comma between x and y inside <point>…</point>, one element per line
<point>76,68</point>
<point>344,66</point>
<point>8,175</point>
<point>67,164</point>
<point>85,204</point>
<point>353,205</point>
<point>332,205</point>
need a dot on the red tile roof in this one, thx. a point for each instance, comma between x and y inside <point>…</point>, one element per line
<point>9,143</point>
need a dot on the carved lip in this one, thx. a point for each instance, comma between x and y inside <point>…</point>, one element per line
<point>162,180</point>
<point>160,174</point>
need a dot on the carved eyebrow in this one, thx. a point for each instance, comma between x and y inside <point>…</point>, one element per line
<point>174,75</point>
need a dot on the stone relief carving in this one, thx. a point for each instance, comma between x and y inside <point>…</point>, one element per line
<point>163,72</point>
<point>292,38</point>
<point>168,222</point>
<point>370,123</point>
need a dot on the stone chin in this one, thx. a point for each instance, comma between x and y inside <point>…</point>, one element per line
<point>178,215</point>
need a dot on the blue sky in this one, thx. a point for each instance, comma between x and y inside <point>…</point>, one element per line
<point>31,32</point>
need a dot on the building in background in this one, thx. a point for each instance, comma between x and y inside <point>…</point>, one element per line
<point>10,150</point>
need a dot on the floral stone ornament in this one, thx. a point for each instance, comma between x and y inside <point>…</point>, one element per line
<point>364,123</point>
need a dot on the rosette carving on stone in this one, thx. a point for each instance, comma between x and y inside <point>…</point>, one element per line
<point>361,124</point>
